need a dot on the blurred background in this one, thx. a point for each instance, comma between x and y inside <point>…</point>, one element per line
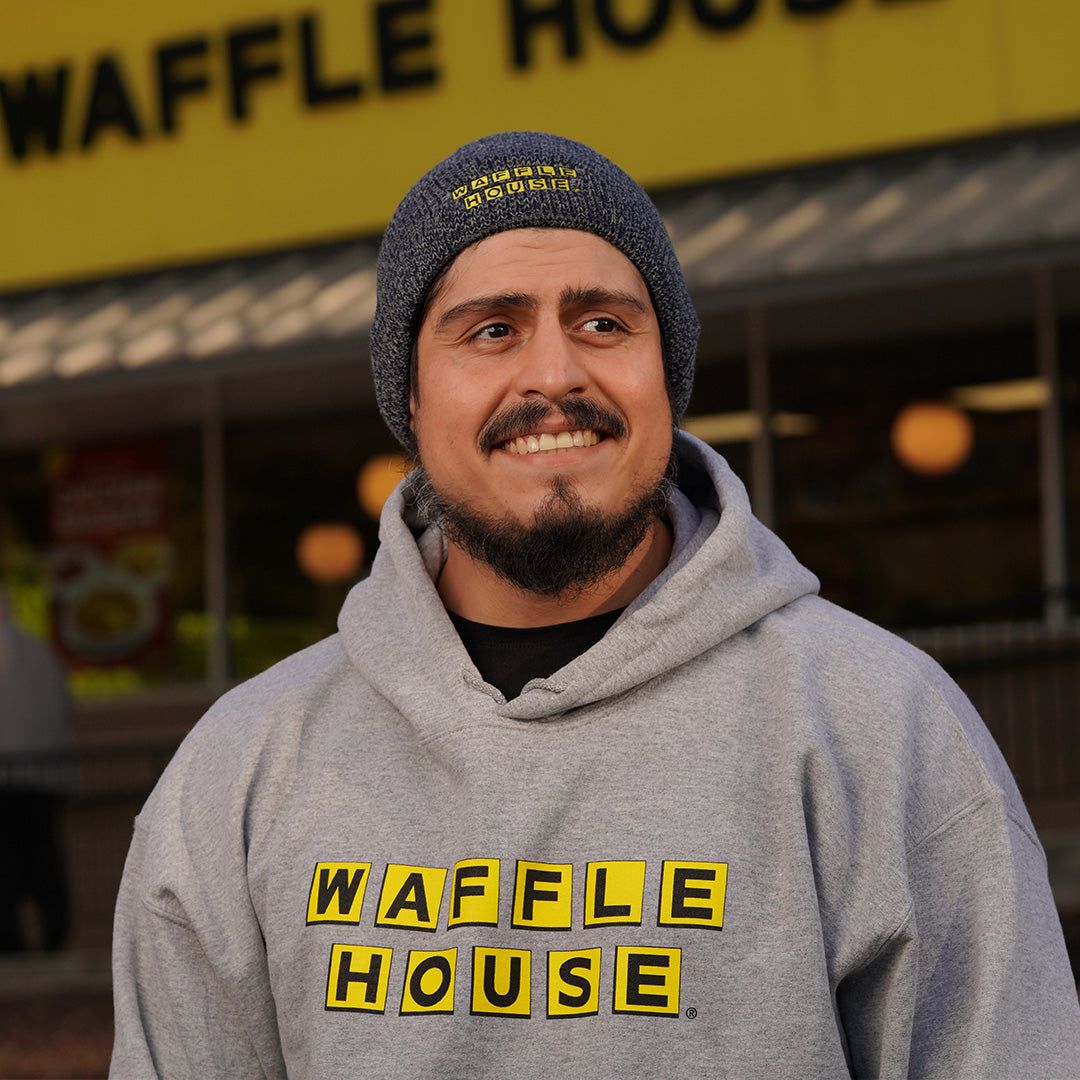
<point>877,207</point>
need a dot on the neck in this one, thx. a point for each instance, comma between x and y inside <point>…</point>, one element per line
<point>471,589</point>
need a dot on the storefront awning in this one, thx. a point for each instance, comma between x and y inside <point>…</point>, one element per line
<point>760,240</point>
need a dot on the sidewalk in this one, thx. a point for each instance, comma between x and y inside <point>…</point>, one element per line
<point>32,973</point>
<point>55,1016</point>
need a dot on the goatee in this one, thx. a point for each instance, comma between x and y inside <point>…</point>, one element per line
<point>566,547</point>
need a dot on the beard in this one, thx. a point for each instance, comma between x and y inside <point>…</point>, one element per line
<point>565,548</point>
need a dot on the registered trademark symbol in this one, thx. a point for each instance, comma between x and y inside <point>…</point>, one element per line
<point>691,1013</point>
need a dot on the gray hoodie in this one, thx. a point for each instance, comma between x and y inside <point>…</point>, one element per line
<point>746,834</point>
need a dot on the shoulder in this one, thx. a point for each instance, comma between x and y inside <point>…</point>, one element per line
<point>887,708</point>
<point>853,651</point>
<point>248,741</point>
<point>288,685</point>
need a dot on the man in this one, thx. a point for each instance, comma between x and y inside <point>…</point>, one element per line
<point>591,782</point>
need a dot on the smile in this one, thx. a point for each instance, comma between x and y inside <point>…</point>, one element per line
<point>540,444</point>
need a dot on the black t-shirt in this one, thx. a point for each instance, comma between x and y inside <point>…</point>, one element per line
<point>509,656</point>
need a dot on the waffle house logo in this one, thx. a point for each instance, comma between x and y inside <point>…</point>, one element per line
<point>642,979</point>
<point>515,181</point>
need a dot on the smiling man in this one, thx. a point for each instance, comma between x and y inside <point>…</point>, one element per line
<point>591,782</point>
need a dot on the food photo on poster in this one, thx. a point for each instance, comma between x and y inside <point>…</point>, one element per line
<point>111,555</point>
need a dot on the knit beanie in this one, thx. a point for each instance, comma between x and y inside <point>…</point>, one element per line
<point>518,180</point>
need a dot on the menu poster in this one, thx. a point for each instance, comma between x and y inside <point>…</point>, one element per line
<point>111,555</point>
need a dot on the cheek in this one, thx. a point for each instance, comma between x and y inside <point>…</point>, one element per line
<point>445,422</point>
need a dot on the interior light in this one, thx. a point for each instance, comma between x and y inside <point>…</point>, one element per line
<point>932,438</point>
<point>1013,395</point>
<point>330,552</point>
<point>719,428</point>
<point>723,427</point>
<point>378,477</point>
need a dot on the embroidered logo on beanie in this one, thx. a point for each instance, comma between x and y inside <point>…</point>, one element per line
<point>516,181</point>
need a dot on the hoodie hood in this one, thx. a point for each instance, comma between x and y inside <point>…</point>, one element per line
<point>727,571</point>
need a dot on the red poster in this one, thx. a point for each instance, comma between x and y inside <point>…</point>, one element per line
<point>111,557</point>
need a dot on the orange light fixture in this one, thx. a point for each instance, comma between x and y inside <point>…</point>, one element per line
<point>378,477</point>
<point>931,438</point>
<point>330,552</point>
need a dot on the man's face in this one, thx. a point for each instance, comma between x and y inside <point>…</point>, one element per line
<point>539,368</point>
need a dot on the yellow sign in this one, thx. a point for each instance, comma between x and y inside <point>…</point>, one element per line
<point>136,135</point>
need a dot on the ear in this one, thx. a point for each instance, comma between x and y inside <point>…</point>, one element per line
<point>412,411</point>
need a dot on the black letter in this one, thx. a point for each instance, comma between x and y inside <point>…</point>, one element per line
<point>339,883</point>
<point>369,978</point>
<point>524,18</point>
<point>391,44</point>
<point>432,963</point>
<point>242,73</point>
<point>635,979</point>
<point>414,887</point>
<point>731,19</point>
<point>36,109</point>
<point>810,7</point>
<point>631,36</point>
<point>171,85</point>
<point>532,894</point>
<point>680,891</point>
<point>461,890</point>
<point>601,908</point>
<point>566,973</point>
<point>109,103</point>
<point>511,995</point>
<point>316,90</point>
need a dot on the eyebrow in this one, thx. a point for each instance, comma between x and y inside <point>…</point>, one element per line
<point>479,305</point>
<point>592,296</point>
<point>597,296</point>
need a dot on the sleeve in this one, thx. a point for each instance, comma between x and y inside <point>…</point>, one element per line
<point>976,983</point>
<point>191,987</point>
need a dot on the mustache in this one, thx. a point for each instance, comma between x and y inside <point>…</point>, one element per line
<point>524,417</point>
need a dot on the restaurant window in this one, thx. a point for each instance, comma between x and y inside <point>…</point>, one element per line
<point>719,411</point>
<point>1070,391</point>
<point>297,535</point>
<point>23,543</point>
<point>914,492</point>
<point>101,554</point>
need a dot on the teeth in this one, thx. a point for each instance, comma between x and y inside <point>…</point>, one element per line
<point>565,440</point>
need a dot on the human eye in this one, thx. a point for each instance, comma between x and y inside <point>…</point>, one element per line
<point>602,324</point>
<point>491,331</point>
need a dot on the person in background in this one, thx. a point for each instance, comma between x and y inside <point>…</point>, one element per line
<point>591,782</point>
<point>35,777</point>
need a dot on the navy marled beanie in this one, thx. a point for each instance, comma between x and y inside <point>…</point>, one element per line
<point>517,180</point>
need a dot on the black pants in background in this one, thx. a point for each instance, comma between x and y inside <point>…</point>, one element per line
<point>31,867</point>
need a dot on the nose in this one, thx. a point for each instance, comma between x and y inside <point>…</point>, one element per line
<point>550,364</point>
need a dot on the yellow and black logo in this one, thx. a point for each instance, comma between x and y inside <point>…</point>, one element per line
<point>643,979</point>
<point>514,181</point>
